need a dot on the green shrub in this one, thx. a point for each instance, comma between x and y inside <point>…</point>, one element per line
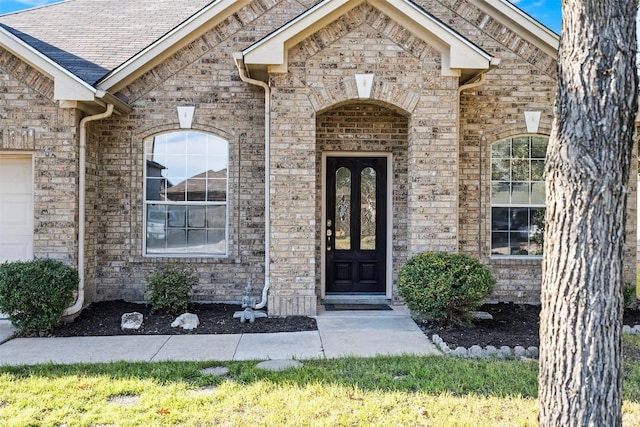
<point>35,293</point>
<point>444,287</point>
<point>169,289</point>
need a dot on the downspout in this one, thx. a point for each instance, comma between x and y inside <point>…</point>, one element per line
<point>82,154</point>
<point>267,172</point>
<point>462,88</point>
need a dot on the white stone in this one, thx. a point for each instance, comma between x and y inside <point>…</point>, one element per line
<point>481,315</point>
<point>436,339</point>
<point>131,321</point>
<point>505,351</point>
<point>626,329</point>
<point>491,351</point>
<point>279,364</point>
<point>519,351</point>
<point>186,321</point>
<point>635,329</point>
<point>461,352</point>
<point>533,352</point>
<point>476,351</point>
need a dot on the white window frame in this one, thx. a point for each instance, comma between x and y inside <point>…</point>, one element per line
<point>186,203</point>
<point>529,206</point>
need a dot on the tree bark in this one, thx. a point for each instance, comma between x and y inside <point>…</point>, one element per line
<point>587,175</point>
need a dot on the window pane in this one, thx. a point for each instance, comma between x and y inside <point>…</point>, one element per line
<point>536,234</point>
<point>217,190</point>
<point>521,147</point>
<point>501,170</point>
<point>177,216</point>
<point>519,243</point>
<point>197,216</point>
<point>177,240</point>
<point>538,193</point>
<point>520,170</point>
<point>183,167</point>
<point>368,209</point>
<point>537,170</point>
<point>216,243</point>
<point>216,216</point>
<point>499,243</point>
<point>519,219</point>
<point>500,193</point>
<point>196,188</point>
<point>501,150</point>
<point>520,193</point>
<point>343,209</point>
<point>500,219</point>
<point>539,147</point>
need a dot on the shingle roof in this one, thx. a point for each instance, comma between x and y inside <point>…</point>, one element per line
<point>92,37</point>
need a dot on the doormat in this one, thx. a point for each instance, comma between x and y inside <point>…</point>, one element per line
<point>347,307</point>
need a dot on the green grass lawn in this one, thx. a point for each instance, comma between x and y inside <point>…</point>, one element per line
<point>383,391</point>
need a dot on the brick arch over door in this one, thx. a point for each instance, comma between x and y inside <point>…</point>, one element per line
<point>362,127</point>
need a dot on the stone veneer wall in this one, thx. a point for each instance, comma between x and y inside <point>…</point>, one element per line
<point>321,77</point>
<point>201,74</point>
<point>32,123</point>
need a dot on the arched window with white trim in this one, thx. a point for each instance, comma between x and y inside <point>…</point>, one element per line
<point>186,182</point>
<point>518,196</point>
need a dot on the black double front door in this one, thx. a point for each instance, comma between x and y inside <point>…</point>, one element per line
<point>355,228</point>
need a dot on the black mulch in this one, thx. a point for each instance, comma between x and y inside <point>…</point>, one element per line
<point>512,325</point>
<point>103,318</point>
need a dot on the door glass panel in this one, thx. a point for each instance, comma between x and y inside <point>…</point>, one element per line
<point>343,209</point>
<point>368,209</point>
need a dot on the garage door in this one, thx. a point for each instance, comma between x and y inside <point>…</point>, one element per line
<point>16,208</point>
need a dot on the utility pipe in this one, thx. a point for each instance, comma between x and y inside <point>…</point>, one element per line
<point>82,154</point>
<point>267,172</point>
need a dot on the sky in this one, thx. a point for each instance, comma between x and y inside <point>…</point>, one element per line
<point>545,11</point>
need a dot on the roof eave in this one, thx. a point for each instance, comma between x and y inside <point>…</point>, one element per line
<point>458,53</point>
<point>68,89</point>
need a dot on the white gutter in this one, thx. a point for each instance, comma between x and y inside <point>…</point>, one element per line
<point>77,306</point>
<point>239,59</point>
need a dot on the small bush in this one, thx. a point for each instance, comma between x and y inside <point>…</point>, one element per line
<point>169,289</point>
<point>35,293</point>
<point>444,287</point>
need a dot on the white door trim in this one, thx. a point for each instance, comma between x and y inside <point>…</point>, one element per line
<point>389,226</point>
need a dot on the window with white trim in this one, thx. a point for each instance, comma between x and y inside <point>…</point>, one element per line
<point>518,196</point>
<point>186,182</point>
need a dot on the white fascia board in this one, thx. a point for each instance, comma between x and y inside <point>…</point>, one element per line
<point>543,37</point>
<point>67,86</point>
<point>184,33</point>
<point>457,52</point>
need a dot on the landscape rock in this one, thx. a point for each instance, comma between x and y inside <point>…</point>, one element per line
<point>626,329</point>
<point>461,352</point>
<point>533,352</point>
<point>186,321</point>
<point>519,351</point>
<point>491,351</point>
<point>217,371</point>
<point>635,329</point>
<point>131,321</point>
<point>505,351</point>
<point>481,315</point>
<point>476,351</point>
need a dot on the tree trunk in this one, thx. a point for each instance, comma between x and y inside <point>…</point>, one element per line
<point>587,173</point>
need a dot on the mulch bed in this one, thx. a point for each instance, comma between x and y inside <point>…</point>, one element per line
<point>512,325</point>
<point>103,319</point>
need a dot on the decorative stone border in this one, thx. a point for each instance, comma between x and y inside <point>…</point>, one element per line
<point>504,352</point>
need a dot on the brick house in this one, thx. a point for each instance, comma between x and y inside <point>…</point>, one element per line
<point>310,147</point>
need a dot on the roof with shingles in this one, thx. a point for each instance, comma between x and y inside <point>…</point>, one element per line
<point>92,37</point>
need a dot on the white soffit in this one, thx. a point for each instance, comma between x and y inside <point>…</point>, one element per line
<point>185,33</point>
<point>457,52</point>
<point>66,85</point>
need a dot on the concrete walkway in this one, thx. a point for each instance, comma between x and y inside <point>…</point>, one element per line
<point>340,333</point>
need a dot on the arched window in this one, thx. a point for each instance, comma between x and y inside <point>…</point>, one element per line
<point>186,179</point>
<point>518,196</point>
